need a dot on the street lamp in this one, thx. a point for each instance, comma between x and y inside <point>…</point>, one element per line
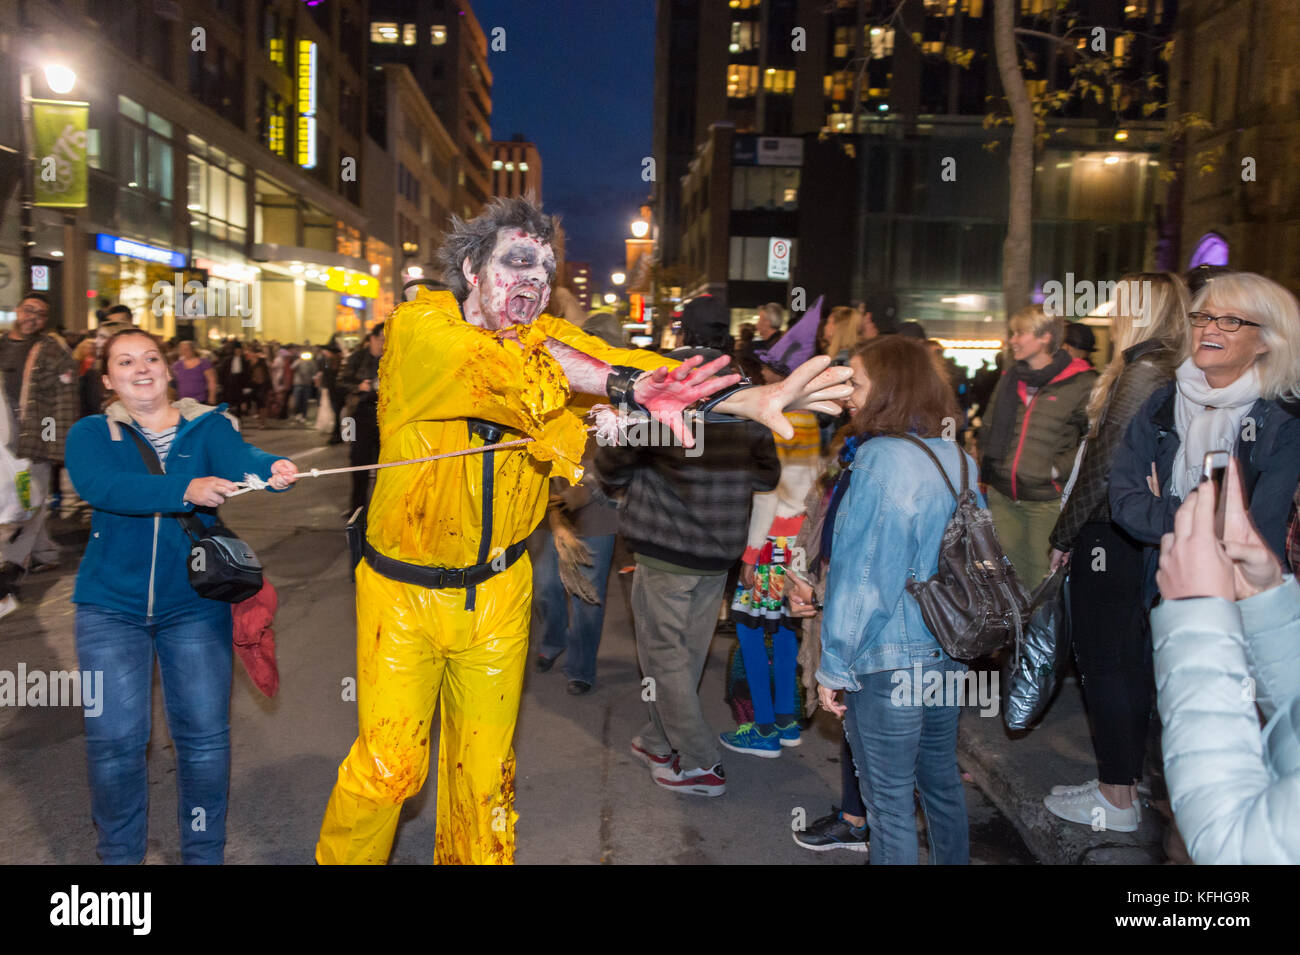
<point>60,78</point>
<point>640,228</point>
<point>610,298</point>
<point>618,278</point>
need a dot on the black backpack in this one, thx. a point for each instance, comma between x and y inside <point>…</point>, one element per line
<point>974,604</point>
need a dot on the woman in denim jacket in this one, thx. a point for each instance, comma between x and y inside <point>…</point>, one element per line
<point>886,521</point>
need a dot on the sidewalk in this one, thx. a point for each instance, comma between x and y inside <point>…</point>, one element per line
<point>1016,770</point>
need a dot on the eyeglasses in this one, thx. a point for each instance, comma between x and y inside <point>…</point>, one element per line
<point>1226,323</point>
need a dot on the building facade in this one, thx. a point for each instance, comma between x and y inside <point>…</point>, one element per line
<point>224,147</point>
<point>408,200</point>
<point>442,44</point>
<point>516,168</point>
<point>900,187</point>
<point>1235,198</point>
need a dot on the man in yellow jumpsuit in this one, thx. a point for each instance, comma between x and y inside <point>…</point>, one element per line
<point>444,590</point>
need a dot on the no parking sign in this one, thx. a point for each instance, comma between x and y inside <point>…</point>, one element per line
<point>778,258</point>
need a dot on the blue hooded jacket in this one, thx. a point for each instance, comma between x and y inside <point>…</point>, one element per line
<point>138,554</point>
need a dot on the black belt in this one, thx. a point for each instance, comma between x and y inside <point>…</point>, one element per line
<point>441,578</point>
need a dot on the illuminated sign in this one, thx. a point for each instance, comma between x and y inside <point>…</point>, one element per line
<point>348,282</point>
<point>637,301</point>
<point>307,104</point>
<point>232,273</point>
<point>115,245</point>
<point>351,301</point>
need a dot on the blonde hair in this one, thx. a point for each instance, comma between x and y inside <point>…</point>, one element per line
<point>841,330</point>
<point>1033,319</point>
<point>1147,305</point>
<point>1262,300</point>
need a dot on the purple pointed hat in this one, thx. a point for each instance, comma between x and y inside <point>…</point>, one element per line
<point>796,346</point>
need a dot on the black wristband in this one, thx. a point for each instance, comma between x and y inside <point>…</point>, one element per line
<point>705,408</point>
<point>620,384</point>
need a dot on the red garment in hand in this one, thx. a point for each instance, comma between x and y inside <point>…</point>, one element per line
<point>255,640</point>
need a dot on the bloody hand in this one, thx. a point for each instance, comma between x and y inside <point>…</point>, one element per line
<point>666,394</point>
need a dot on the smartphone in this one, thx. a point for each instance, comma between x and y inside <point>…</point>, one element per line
<point>1215,470</point>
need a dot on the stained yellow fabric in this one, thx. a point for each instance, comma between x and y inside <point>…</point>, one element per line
<point>438,370</point>
<point>418,647</point>
<point>415,646</point>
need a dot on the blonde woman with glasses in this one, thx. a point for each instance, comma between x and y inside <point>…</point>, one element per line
<point>1234,393</point>
<point>1150,332</point>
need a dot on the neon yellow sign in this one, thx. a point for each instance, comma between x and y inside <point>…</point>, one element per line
<point>307,104</point>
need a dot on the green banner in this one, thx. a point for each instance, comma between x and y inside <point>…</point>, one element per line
<point>59,161</point>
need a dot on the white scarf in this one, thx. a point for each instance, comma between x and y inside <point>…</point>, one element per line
<point>1207,419</point>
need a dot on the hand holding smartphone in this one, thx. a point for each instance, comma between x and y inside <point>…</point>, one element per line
<point>1214,469</point>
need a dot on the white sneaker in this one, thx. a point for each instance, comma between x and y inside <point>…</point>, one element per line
<point>8,605</point>
<point>1068,790</point>
<point>1088,808</point>
<point>693,782</point>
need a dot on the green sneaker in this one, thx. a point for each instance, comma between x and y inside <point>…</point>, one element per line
<point>789,733</point>
<point>748,739</point>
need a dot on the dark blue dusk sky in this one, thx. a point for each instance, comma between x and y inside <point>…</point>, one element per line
<point>577,79</point>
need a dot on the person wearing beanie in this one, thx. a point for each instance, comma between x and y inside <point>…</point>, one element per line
<point>1080,341</point>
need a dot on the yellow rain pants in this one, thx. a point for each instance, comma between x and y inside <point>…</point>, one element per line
<point>416,647</point>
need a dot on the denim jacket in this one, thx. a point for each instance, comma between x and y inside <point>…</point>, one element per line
<point>887,532</point>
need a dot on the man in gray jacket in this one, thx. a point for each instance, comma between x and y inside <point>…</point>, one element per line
<point>685,517</point>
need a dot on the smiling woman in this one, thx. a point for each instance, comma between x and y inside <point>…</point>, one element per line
<point>134,598</point>
<point>1230,395</point>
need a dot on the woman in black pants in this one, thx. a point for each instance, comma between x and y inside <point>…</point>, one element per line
<point>1107,567</point>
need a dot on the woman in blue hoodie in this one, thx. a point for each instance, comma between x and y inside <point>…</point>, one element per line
<point>134,599</point>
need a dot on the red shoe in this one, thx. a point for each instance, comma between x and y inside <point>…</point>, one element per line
<point>651,760</point>
<point>691,782</point>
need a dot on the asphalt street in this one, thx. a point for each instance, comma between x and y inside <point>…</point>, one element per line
<point>582,799</point>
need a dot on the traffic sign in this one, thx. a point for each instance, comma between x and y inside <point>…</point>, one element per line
<point>778,258</point>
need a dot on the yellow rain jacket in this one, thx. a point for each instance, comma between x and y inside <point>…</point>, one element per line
<point>416,646</point>
<point>438,370</point>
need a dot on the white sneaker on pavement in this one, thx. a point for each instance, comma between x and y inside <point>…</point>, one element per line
<point>1067,790</point>
<point>1089,808</point>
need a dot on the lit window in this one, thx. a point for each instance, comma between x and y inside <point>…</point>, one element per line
<point>510,167</point>
<point>779,81</point>
<point>383,32</point>
<point>496,164</point>
<point>437,35</point>
<point>742,81</point>
<point>408,34</point>
<point>523,167</point>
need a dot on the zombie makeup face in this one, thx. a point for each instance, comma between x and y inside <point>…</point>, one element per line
<point>514,284</point>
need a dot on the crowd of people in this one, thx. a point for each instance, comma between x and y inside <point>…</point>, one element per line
<point>54,376</point>
<point>1082,468</point>
<point>821,486</point>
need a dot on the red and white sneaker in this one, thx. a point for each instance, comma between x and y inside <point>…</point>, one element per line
<point>652,760</point>
<point>692,782</point>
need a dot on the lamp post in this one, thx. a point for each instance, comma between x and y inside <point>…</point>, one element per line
<point>61,79</point>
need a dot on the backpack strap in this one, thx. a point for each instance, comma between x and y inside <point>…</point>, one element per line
<point>938,464</point>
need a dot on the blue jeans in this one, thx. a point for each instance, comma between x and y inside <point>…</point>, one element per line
<point>301,398</point>
<point>194,652</point>
<point>904,748</point>
<point>567,622</point>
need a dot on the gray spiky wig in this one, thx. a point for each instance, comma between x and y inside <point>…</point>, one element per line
<point>475,239</point>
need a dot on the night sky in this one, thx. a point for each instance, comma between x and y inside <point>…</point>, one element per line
<point>577,79</point>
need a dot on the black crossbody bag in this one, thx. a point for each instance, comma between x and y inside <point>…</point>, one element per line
<point>221,566</point>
